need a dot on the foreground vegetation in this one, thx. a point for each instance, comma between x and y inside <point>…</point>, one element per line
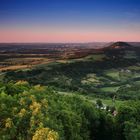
<point>38,113</point>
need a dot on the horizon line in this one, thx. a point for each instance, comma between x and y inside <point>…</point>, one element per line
<point>66,42</point>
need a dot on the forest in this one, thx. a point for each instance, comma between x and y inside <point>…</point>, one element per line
<point>39,113</point>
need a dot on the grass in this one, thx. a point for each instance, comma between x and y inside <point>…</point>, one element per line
<point>115,74</point>
<point>90,78</point>
<point>21,63</point>
<point>95,57</point>
<point>110,89</point>
<point>134,67</point>
<point>16,67</point>
<point>137,82</point>
<point>109,102</point>
<point>127,73</point>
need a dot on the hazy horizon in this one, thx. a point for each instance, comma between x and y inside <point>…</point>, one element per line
<point>67,42</point>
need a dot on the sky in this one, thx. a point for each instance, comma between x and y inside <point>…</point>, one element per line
<point>69,20</point>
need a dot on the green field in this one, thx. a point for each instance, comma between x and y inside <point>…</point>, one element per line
<point>109,89</point>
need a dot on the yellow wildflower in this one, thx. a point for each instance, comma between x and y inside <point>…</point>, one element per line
<point>44,103</point>
<point>22,101</point>
<point>39,88</point>
<point>22,112</point>
<point>8,123</point>
<point>32,97</point>
<point>21,82</point>
<point>45,134</point>
<point>35,107</point>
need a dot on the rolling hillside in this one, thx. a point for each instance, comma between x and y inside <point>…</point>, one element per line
<point>108,72</point>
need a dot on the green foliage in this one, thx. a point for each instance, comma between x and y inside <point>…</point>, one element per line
<point>99,103</point>
<point>132,131</point>
<point>128,121</point>
<point>23,113</point>
<point>33,112</point>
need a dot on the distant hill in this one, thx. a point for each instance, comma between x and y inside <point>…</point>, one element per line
<point>119,50</point>
<point>119,45</point>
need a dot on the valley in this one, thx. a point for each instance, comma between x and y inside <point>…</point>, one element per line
<point>103,73</point>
